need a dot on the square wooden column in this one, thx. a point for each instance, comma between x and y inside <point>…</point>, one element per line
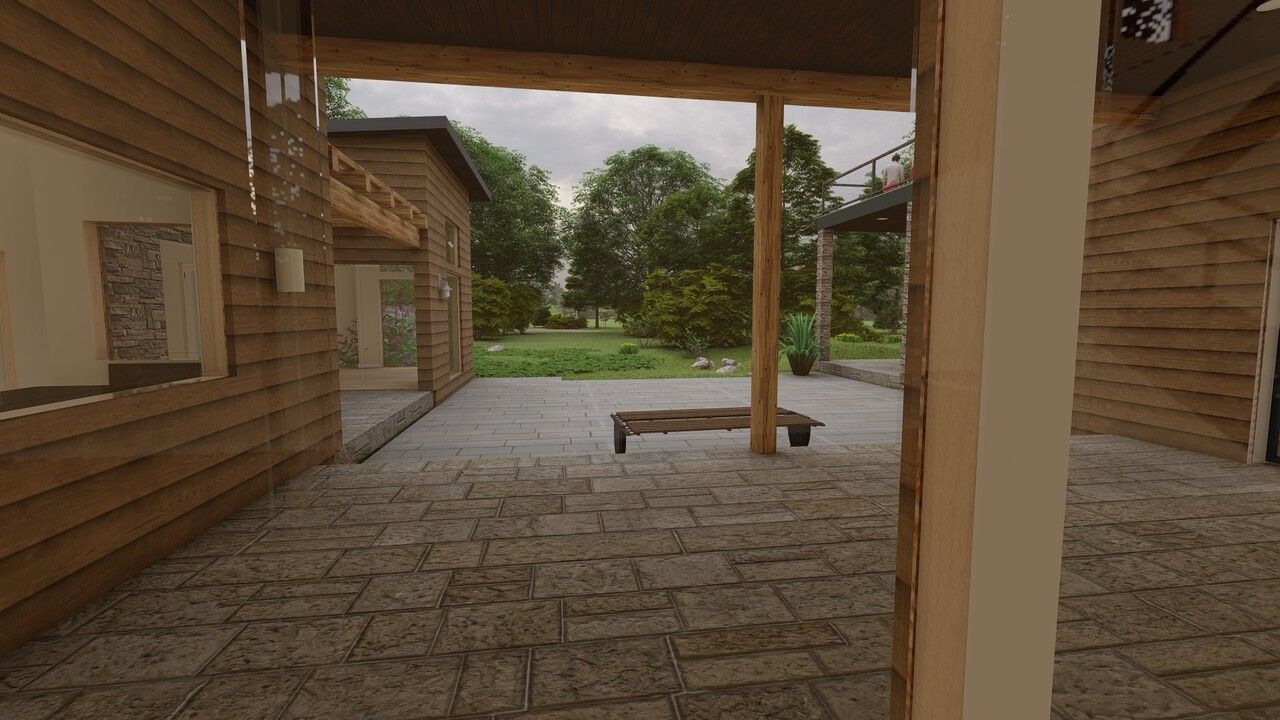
<point>766,284</point>
<point>1005,109</point>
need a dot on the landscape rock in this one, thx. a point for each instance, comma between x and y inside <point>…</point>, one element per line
<point>497,348</point>
<point>701,364</point>
<point>726,362</point>
<point>727,368</point>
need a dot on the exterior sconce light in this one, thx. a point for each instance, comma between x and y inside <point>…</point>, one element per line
<point>446,290</point>
<point>290,275</point>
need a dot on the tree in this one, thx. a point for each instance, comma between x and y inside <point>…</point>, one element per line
<point>609,255</point>
<point>336,103</point>
<point>516,235</point>
<point>580,296</point>
<point>806,193</point>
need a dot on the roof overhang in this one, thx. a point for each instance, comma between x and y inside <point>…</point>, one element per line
<point>438,131</point>
<point>886,212</point>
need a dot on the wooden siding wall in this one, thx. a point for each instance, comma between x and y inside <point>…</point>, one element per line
<point>1176,260</point>
<point>412,166</point>
<point>90,495</point>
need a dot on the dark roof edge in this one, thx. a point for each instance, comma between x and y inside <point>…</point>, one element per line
<point>437,129</point>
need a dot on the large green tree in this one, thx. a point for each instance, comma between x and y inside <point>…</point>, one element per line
<point>336,102</point>
<point>806,193</point>
<point>612,238</point>
<point>516,235</point>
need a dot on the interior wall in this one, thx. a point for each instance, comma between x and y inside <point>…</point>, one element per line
<point>1176,249</point>
<point>47,193</point>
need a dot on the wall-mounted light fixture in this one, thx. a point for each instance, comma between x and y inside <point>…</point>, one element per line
<point>290,272</point>
<point>446,289</point>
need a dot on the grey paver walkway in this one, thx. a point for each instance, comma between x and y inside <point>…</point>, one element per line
<point>372,417</point>
<point>709,583</point>
<point>545,416</point>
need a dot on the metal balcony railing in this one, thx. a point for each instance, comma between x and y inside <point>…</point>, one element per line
<point>874,185</point>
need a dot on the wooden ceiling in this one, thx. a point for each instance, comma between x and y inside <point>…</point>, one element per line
<point>859,37</point>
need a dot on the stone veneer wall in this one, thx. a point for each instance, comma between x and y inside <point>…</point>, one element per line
<point>133,288</point>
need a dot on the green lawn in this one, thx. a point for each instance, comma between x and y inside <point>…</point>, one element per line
<point>594,356</point>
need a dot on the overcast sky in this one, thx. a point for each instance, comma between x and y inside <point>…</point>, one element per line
<point>571,133</point>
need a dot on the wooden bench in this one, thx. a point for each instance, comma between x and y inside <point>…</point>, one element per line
<point>639,422</point>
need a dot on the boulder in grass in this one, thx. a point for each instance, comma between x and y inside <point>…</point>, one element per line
<point>727,368</point>
<point>701,364</point>
<point>497,348</point>
<point>728,362</point>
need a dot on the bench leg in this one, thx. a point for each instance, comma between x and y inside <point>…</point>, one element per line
<point>799,436</point>
<point>619,438</point>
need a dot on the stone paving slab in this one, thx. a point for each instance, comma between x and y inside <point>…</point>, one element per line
<point>533,417</point>
<point>699,584</point>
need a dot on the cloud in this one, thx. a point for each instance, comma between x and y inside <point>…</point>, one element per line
<point>571,133</point>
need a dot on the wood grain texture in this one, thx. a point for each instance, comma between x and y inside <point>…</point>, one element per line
<point>1176,263</point>
<point>767,276</point>
<point>93,493</point>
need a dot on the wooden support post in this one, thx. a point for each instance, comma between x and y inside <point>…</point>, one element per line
<point>766,282</point>
<point>997,249</point>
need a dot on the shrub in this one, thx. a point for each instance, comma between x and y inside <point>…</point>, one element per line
<point>862,332</point>
<point>710,307</point>
<point>526,301</point>
<point>629,349</point>
<point>639,325</point>
<point>540,318</point>
<point>556,321</point>
<point>490,306</point>
<point>399,337</point>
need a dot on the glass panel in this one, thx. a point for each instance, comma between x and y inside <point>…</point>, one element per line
<point>451,243</point>
<point>99,276</point>
<point>399,323</point>
<point>453,297</point>
<point>1175,367</point>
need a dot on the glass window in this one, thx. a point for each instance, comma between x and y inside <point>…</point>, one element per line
<point>102,277</point>
<point>454,284</point>
<point>451,243</point>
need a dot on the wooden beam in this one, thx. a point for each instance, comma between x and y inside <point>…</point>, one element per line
<point>766,282</point>
<point>351,209</point>
<point>457,65</point>
<point>358,198</point>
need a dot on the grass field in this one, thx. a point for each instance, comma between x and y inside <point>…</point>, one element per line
<point>594,355</point>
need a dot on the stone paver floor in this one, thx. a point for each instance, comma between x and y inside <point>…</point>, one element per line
<point>694,584</point>
<point>546,416</point>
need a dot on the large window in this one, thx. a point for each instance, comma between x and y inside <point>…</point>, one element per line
<point>108,276</point>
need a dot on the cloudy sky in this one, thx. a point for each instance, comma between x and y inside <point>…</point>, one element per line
<point>571,133</point>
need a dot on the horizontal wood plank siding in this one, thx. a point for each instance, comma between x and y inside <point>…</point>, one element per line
<point>94,493</point>
<point>1176,263</point>
<point>410,164</point>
